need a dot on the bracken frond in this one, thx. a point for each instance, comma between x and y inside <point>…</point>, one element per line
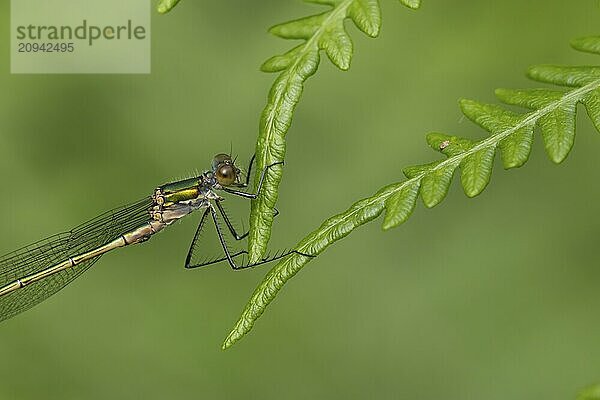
<point>322,32</point>
<point>553,112</point>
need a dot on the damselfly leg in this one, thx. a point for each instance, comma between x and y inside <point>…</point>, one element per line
<point>230,256</point>
<point>229,224</point>
<point>263,175</point>
<point>249,172</point>
<point>192,249</point>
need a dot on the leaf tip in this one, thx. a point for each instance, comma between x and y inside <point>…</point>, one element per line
<point>500,91</point>
<point>274,64</point>
<point>430,203</point>
<point>226,345</point>
<point>412,4</point>
<point>230,340</point>
<point>277,30</point>
<point>408,172</point>
<point>471,192</point>
<point>467,104</point>
<point>374,32</point>
<point>535,72</point>
<point>588,44</point>
<point>576,43</point>
<point>345,66</point>
<point>558,158</point>
<point>388,224</point>
<point>265,67</point>
<point>511,164</point>
<point>165,6</point>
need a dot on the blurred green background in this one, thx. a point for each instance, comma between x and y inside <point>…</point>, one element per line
<point>491,298</point>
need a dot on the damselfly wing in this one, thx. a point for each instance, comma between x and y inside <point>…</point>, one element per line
<point>42,255</point>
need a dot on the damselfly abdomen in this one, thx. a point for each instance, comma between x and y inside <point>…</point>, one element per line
<point>35,272</point>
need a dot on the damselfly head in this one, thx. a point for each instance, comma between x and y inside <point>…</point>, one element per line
<point>225,170</point>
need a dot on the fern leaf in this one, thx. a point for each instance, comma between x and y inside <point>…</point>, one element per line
<point>302,28</point>
<point>558,127</point>
<point>332,229</point>
<point>366,15</point>
<point>476,171</point>
<point>515,148</point>
<point>164,6</point>
<point>558,131</point>
<point>435,184</point>
<point>414,4</point>
<point>321,32</point>
<point>589,44</point>
<point>400,205</point>
<point>554,114</point>
<point>448,145</point>
<point>564,76</point>
<point>490,117</point>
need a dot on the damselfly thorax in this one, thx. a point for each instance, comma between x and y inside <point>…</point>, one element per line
<point>35,272</point>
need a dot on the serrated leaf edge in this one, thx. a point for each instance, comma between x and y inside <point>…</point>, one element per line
<point>262,208</point>
<point>288,267</point>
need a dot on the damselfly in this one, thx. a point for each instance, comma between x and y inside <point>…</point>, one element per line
<point>35,272</point>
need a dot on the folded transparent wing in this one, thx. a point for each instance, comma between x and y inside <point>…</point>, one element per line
<point>41,255</point>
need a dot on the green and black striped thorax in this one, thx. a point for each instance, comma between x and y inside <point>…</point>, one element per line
<point>197,191</point>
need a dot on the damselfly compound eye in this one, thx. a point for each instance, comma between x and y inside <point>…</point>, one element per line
<point>226,175</point>
<point>220,159</point>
